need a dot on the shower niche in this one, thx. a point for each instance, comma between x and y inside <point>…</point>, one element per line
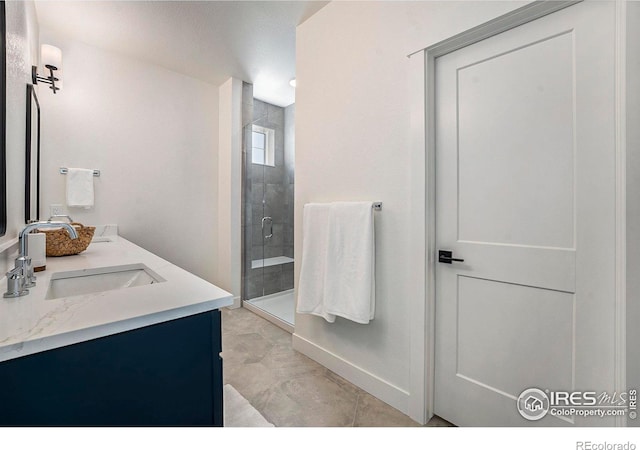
<point>268,188</point>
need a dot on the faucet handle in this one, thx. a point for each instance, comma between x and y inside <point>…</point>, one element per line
<point>24,264</point>
<point>15,283</point>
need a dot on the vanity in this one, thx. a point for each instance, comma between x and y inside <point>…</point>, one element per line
<point>114,336</point>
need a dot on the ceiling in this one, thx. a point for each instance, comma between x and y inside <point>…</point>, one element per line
<point>209,40</point>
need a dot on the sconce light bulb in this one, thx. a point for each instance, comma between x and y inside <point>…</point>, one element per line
<point>51,57</point>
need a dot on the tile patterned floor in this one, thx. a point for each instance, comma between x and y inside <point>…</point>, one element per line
<point>291,390</point>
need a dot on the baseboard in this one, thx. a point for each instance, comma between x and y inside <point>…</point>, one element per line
<point>385,391</point>
<point>237,303</point>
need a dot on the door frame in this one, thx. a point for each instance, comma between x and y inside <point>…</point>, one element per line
<point>423,148</point>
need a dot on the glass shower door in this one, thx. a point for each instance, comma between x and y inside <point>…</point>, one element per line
<point>261,223</point>
<point>268,237</point>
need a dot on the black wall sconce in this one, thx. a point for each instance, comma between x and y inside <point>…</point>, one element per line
<point>51,58</point>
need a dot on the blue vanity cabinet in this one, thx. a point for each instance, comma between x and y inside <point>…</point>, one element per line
<point>168,374</point>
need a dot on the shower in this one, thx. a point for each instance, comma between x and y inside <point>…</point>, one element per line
<point>267,209</point>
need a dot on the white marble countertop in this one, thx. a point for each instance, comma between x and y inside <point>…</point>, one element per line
<point>31,324</point>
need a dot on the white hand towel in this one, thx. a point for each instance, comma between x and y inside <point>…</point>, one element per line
<point>315,229</point>
<point>80,188</point>
<point>349,282</point>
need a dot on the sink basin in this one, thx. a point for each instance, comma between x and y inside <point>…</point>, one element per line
<point>87,281</point>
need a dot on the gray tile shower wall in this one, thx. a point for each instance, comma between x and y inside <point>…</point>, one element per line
<point>268,191</point>
<point>246,210</point>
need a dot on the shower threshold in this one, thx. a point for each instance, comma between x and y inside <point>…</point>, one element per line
<point>277,308</point>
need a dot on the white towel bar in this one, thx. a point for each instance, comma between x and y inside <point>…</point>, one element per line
<point>64,171</point>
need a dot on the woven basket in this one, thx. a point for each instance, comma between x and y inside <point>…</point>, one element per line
<point>59,243</point>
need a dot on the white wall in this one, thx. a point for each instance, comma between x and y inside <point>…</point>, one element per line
<point>153,134</point>
<point>229,188</point>
<point>22,53</point>
<point>633,198</point>
<point>353,143</point>
<point>289,141</point>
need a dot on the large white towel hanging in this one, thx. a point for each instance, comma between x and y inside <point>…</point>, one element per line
<point>337,276</point>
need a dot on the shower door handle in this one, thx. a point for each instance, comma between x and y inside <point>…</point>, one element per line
<point>264,219</point>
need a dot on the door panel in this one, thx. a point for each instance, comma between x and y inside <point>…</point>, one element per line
<point>525,143</point>
<point>525,195</point>
<point>533,314</point>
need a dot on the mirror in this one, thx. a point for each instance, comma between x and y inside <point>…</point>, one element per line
<point>3,120</point>
<point>32,174</point>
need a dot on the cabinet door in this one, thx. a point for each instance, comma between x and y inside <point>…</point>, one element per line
<point>164,374</point>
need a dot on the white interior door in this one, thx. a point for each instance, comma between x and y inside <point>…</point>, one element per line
<point>525,188</point>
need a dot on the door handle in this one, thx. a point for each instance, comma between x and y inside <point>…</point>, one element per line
<point>270,227</point>
<point>446,257</point>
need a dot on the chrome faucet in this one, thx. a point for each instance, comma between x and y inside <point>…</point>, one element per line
<point>21,276</point>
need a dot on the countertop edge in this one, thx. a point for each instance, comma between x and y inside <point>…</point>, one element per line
<point>86,334</point>
<point>34,324</point>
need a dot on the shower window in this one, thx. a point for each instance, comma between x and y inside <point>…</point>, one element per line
<point>262,148</point>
